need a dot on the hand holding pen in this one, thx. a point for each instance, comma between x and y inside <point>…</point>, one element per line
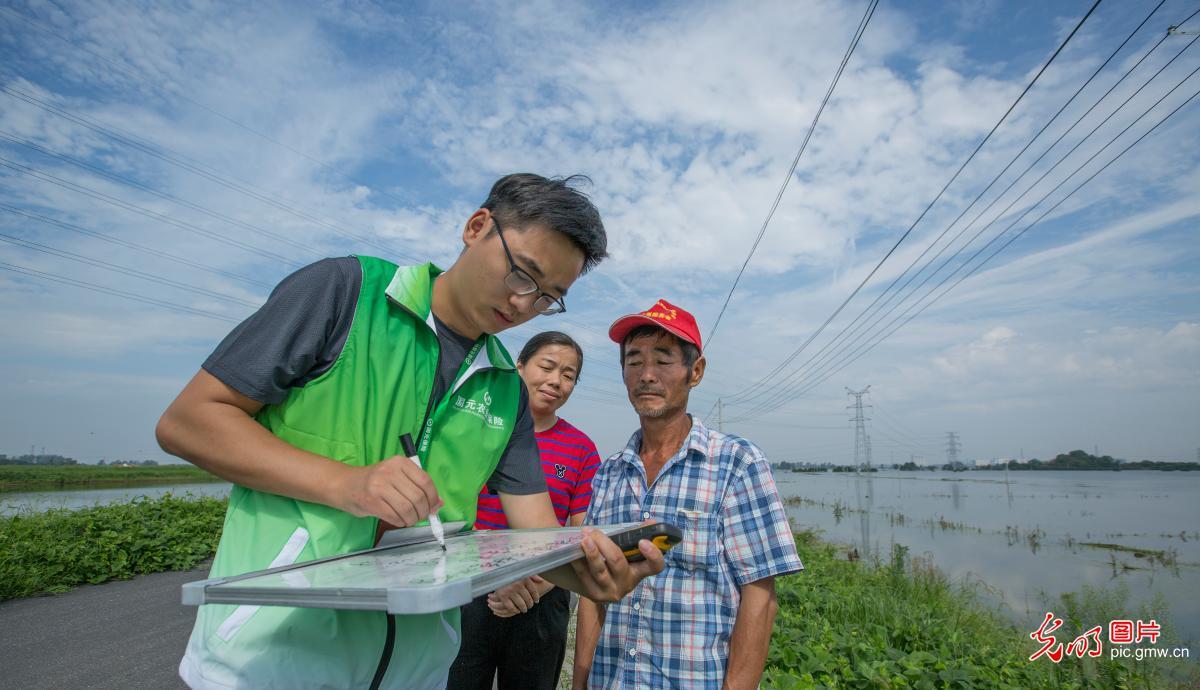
<point>395,490</point>
<point>435,522</point>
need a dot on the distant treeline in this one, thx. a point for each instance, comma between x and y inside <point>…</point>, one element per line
<point>1075,460</point>
<point>1082,460</point>
<point>52,460</point>
<point>35,477</point>
<point>826,467</point>
<point>43,459</point>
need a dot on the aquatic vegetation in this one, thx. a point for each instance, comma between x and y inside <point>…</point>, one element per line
<point>904,624</point>
<point>1034,539</point>
<point>950,526</point>
<point>839,509</point>
<point>1168,557</point>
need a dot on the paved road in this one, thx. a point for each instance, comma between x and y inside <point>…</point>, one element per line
<point>114,636</point>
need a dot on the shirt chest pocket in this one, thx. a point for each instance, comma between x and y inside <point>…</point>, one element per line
<point>701,545</point>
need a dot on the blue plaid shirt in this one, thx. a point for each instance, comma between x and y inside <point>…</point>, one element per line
<point>673,630</point>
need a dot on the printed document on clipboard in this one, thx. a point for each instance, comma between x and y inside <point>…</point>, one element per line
<point>407,573</point>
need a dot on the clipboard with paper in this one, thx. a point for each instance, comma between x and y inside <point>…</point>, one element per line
<point>408,573</point>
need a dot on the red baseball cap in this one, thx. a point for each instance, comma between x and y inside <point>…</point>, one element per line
<point>664,315</point>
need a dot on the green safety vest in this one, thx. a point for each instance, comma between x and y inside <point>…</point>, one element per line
<point>378,389</point>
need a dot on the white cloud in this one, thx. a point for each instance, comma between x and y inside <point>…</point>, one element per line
<point>390,126</point>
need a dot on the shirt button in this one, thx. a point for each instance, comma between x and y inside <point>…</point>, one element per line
<point>637,606</point>
<point>645,516</point>
<point>632,652</point>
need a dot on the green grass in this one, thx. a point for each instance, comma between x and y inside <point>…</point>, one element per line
<point>57,550</point>
<point>33,477</point>
<point>903,624</point>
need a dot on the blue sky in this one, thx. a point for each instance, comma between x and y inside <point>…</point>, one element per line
<point>293,134</point>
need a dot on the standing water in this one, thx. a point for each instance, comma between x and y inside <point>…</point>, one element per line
<point>13,502</point>
<point>1029,539</point>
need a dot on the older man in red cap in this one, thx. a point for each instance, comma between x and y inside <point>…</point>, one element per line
<point>705,621</point>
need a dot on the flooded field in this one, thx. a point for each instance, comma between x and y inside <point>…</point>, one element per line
<point>1029,539</point>
<point>12,502</point>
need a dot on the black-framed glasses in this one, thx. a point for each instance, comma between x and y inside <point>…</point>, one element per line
<point>522,283</point>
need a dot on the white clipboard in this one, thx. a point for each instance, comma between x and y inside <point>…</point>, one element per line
<point>408,573</point>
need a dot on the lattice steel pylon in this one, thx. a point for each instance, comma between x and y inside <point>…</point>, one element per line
<point>952,448</point>
<point>862,442</point>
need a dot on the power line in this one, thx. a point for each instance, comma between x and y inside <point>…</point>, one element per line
<point>866,347</point>
<point>114,201</point>
<point>134,246</point>
<point>862,351</point>
<point>62,253</point>
<point>1034,205</point>
<point>851,327</point>
<point>882,416</point>
<point>119,293</point>
<point>150,190</point>
<point>745,393</point>
<point>584,395</point>
<point>862,27</point>
<point>822,363</point>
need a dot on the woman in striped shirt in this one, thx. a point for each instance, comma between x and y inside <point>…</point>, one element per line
<point>519,634</point>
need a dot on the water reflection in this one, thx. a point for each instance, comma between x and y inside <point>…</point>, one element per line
<point>864,504</point>
<point>15,502</point>
<point>1030,537</point>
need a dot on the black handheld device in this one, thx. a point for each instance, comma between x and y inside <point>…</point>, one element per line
<point>661,534</point>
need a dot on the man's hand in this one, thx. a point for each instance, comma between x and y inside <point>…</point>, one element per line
<point>518,597</point>
<point>394,490</point>
<point>605,575</point>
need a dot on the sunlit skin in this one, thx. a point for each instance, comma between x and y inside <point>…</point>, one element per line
<point>472,298</point>
<point>550,375</point>
<point>659,382</point>
<point>656,378</point>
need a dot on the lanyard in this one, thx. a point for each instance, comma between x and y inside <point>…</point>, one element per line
<point>423,441</point>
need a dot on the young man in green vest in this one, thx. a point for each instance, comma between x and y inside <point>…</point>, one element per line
<point>302,407</point>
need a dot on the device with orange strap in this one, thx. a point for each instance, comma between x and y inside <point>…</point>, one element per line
<point>661,534</point>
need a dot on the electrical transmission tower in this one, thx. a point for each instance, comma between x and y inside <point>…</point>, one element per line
<point>952,448</point>
<point>862,442</point>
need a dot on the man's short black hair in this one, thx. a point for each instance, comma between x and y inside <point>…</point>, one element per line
<point>547,338</point>
<point>691,353</point>
<point>522,199</point>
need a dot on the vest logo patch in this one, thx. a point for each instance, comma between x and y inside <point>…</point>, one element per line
<point>480,409</point>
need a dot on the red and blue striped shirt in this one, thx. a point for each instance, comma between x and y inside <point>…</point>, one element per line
<point>569,460</point>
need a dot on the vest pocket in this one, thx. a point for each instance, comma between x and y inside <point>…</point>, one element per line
<point>287,555</point>
<point>700,548</point>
